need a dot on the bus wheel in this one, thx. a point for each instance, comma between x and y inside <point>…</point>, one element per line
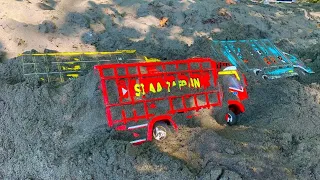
<point>231,118</point>
<point>160,131</point>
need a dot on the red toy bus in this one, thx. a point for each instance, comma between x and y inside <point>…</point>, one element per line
<point>143,97</point>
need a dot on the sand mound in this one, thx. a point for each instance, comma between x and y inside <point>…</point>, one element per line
<point>50,131</point>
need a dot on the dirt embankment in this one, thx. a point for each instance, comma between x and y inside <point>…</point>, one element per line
<point>59,131</point>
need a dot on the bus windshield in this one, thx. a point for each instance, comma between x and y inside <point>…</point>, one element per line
<point>232,82</point>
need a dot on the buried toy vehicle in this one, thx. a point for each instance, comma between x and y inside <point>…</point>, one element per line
<point>63,66</point>
<point>143,98</point>
<point>259,56</point>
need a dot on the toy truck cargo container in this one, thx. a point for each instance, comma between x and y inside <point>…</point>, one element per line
<point>143,98</point>
<point>63,66</point>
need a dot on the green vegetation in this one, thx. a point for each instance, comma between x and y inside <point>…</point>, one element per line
<point>308,1</point>
<point>314,1</point>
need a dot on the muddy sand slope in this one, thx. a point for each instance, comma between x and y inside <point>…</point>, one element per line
<point>53,131</point>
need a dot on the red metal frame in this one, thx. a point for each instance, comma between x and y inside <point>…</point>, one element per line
<point>148,70</point>
<point>220,65</point>
<point>240,107</point>
<point>140,75</point>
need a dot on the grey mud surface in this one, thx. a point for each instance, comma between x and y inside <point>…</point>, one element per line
<point>59,131</point>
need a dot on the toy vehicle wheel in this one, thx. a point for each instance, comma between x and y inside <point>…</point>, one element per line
<point>161,131</point>
<point>257,72</point>
<point>231,118</point>
<point>265,77</point>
